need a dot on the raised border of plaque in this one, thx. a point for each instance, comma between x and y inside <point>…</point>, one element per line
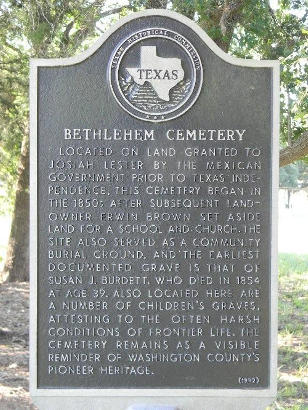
<point>119,398</point>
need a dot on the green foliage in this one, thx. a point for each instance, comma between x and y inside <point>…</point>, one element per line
<point>37,36</point>
<point>291,264</point>
<point>293,274</point>
<point>36,28</point>
<point>288,176</point>
<point>292,310</point>
<point>13,112</point>
<point>294,175</point>
<point>280,35</point>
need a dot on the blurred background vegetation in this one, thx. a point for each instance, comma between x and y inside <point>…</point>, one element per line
<point>293,333</point>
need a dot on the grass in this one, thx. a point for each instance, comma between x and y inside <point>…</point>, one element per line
<point>293,333</point>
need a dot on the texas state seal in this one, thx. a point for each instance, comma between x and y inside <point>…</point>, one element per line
<point>155,74</point>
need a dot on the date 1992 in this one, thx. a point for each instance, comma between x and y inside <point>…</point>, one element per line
<point>249,380</point>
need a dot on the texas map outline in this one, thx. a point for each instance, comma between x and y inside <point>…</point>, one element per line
<point>163,73</point>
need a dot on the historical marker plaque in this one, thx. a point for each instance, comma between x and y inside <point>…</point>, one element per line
<point>154,163</point>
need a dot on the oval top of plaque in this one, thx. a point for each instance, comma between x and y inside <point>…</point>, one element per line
<point>154,66</point>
